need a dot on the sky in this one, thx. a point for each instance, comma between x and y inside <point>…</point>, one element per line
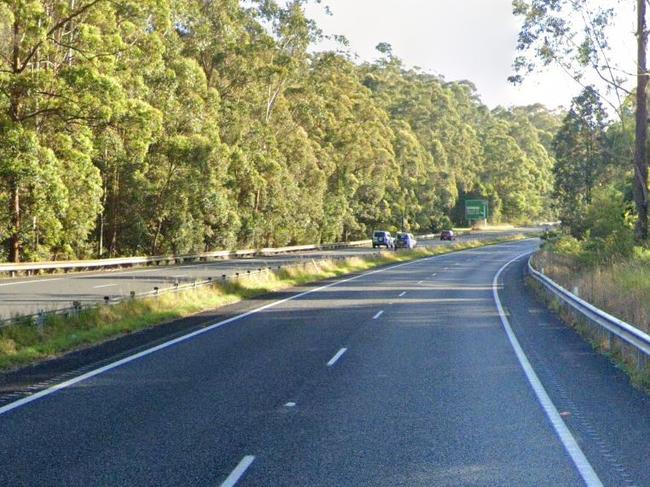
<point>459,39</point>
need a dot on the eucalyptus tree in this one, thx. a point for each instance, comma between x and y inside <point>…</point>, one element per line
<point>581,154</point>
<point>574,34</point>
<point>58,81</point>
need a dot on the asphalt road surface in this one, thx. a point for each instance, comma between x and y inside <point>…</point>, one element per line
<point>27,296</point>
<point>404,376</point>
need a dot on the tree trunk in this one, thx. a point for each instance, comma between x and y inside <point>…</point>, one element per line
<point>112,249</point>
<point>14,239</point>
<point>154,245</point>
<point>640,150</point>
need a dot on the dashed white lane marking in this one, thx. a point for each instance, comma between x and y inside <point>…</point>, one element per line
<point>105,285</point>
<point>239,471</point>
<point>378,314</point>
<point>179,275</point>
<point>149,351</point>
<point>290,405</point>
<point>334,359</point>
<point>420,282</point>
<point>402,294</point>
<point>434,274</point>
<point>570,444</point>
<point>31,282</point>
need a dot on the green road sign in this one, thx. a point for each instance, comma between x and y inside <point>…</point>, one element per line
<point>476,210</point>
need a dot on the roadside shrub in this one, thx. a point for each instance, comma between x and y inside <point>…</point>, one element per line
<point>566,246</point>
<point>550,235</point>
<point>440,222</point>
<point>641,255</point>
<point>609,218</point>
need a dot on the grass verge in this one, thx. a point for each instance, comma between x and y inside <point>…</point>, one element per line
<point>25,342</point>
<point>609,289</point>
<point>620,288</point>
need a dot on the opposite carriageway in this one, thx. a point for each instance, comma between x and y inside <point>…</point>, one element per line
<point>60,291</point>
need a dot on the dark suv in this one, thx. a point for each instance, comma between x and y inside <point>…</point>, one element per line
<point>382,239</point>
<point>447,235</point>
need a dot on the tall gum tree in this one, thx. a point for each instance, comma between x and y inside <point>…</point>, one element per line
<point>573,34</point>
<point>56,77</point>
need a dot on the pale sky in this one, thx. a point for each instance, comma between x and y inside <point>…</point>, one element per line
<point>459,39</point>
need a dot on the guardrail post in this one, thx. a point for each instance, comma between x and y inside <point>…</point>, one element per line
<point>106,299</point>
<point>641,360</point>
<point>155,290</point>
<point>132,294</point>
<point>610,340</point>
<point>40,320</point>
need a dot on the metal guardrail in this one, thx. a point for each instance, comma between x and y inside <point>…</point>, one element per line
<point>77,306</point>
<point>30,268</point>
<point>615,328</point>
<point>120,262</point>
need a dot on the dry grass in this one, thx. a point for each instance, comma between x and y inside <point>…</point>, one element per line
<point>26,342</point>
<point>621,289</point>
<point>493,227</point>
<point>623,355</point>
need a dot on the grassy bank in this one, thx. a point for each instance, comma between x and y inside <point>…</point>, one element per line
<point>620,286</point>
<point>25,342</point>
<point>624,357</point>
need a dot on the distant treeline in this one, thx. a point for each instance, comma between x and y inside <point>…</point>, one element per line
<point>172,126</point>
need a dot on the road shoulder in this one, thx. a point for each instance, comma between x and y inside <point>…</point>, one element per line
<point>606,414</point>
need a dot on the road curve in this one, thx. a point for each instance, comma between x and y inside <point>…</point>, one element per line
<point>402,376</point>
<point>47,293</point>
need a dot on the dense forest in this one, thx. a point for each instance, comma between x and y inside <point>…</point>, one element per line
<point>172,126</point>
<point>601,147</point>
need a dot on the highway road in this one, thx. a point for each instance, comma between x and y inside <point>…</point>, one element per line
<point>46,293</point>
<point>430,373</point>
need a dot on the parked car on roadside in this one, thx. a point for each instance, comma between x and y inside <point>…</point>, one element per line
<point>405,241</point>
<point>447,235</point>
<point>381,238</point>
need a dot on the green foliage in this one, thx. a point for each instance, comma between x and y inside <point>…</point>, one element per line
<point>581,152</point>
<point>172,126</point>
<point>565,246</point>
<point>610,234</point>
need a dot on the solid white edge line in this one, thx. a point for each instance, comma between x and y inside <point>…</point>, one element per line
<point>17,283</point>
<point>88,375</point>
<point>566,437</point>
<point>240,469</point>
<point>335,358</point>
<point>379,313</point>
